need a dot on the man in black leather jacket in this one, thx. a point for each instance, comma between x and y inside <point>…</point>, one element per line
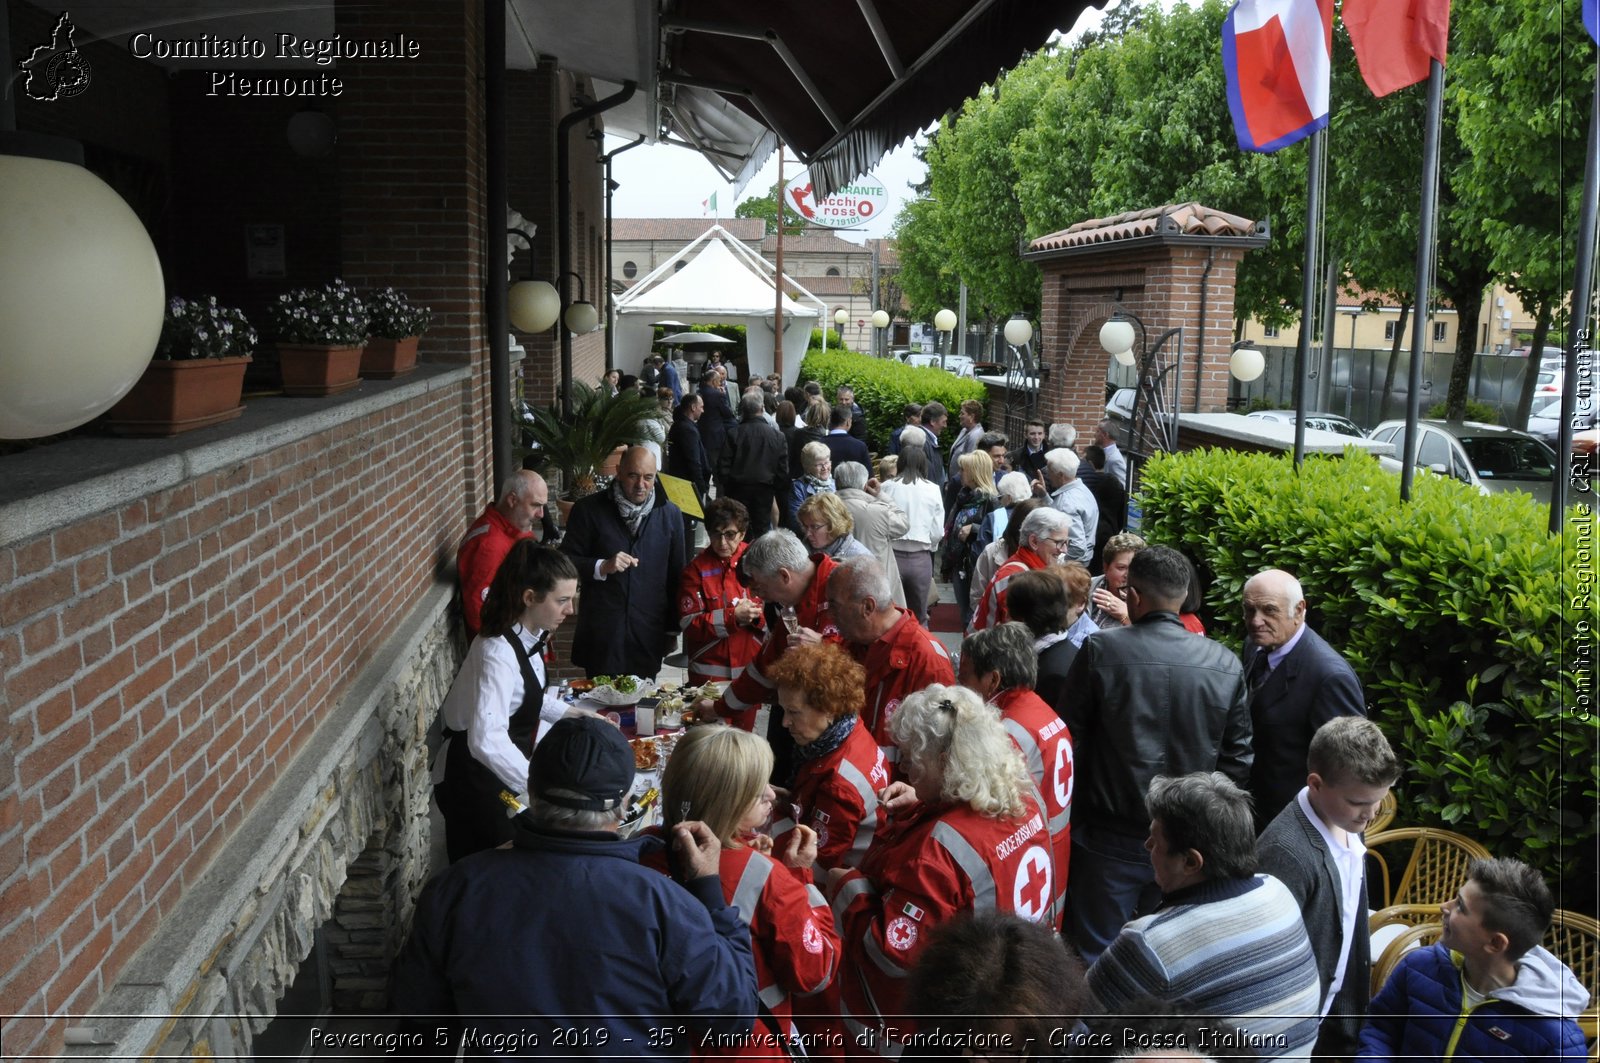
<point>1143,700</point>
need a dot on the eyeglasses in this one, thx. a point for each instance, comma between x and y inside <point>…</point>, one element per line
<point>812,529</point>
<point>1060,544</point>
<point>728,533</point>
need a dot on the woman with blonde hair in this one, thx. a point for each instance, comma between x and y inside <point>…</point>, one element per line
<point>974,500</point>
<point>966,835</point>
<point>839,768</point>
<point>718,775</point>
<point>816,474</point>
<point>826,525</point>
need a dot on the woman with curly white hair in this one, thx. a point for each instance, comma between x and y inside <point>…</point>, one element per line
<point>967,835</point>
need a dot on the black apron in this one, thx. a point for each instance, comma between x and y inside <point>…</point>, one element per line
<point>475,816</point>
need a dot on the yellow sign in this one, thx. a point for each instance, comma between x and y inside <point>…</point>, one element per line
<point>681,493</point>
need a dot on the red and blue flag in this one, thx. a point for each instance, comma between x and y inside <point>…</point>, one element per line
<point>1276,57</point>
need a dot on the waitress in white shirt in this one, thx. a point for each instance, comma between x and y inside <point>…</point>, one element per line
<point>498,707</point>
<point>920,499</point>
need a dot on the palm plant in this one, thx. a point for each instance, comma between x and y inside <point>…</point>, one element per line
<point>576,446</point>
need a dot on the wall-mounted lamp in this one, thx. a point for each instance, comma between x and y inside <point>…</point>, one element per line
<point>81,291</point>
<point>1116,339</point>
<point>532,305</point>
<point>581,315</point>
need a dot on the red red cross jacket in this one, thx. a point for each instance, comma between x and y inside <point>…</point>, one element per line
<point>751,687</point>
<point>926,867</point>
<point>905,660</point>
<point>485,545</point>
<point>1046,746</point>
<point>837,796</point>
<point>791,934</point>
<point>991,609</point>
<point>718,648</point>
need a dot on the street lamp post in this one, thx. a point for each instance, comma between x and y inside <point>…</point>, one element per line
<point>944,321</point>
<point>880,321</point>
<point>840,317</point>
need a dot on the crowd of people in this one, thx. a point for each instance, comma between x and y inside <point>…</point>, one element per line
<point>1093,832</point>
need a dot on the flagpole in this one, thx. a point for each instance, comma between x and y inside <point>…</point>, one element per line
<point>777,282</point>
<point>1308,289</point>
<point>1424,285</point>
<point>1578,330</point>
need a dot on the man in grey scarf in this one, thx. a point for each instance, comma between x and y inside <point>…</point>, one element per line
<point>627,543</point>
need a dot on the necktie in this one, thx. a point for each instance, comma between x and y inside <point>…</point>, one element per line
<point>1258,671</point>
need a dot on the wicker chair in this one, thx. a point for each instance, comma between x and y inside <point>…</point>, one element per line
<point>1435,864</point>
<point>1575,941</point>
<point>1415,937</point>
<point>1385,816</point>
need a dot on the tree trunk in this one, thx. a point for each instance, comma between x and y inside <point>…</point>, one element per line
<point>1468,301</point>
<point>1530,374</point>
<point>1394,361</point>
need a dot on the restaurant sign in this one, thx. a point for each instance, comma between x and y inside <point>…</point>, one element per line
<point>850,207</point>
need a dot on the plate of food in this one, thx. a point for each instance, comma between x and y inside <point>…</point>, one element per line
<point>616,691</point>
<point>677,702</point>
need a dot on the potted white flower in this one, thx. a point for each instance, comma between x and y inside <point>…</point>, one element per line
<point>395,326</point>
<point>321,333</point>
<point>196,377</point>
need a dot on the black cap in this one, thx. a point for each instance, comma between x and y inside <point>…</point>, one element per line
<point>582,755</point>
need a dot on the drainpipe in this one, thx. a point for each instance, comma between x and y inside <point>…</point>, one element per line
<point>1200,327</point>
<point>564,222</point>
<point>611,303</point>
<point>494,309</point>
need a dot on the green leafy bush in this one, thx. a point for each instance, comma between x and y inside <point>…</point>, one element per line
<point>1476,411</point>
<point>883,387</point>
<point>1467,622</point>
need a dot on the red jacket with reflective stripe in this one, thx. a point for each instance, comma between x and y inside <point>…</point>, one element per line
<point>905,660</point>
<point>837,796</point>
<point>1046,746</point>
<point>751,687</point>
<point>717,647</point>
<point>991,609</point>
<point>932,864</point>
<point>791,934</point>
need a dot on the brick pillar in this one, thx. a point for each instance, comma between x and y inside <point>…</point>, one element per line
<point>1169,266</point>
<point>411,176</point>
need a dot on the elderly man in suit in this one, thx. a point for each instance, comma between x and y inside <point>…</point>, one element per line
<point>878,521</point>
<point>1297,683</point>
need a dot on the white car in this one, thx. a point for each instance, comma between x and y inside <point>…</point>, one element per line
<point>959,364</point>
<point>1488,456</point>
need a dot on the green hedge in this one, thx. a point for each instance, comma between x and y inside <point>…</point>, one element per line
<point>883,386</point>
<point>1460,613</point>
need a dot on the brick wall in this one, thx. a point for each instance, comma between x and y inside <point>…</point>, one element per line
<point>1160,284</point>
<point>164,660</point>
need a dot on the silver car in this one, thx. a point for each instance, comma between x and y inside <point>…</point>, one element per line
<point>1322,422</point>
<point>1487,456</point>
<point>1545,421</point>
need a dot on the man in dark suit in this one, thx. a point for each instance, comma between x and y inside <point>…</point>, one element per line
<point>686,454</point>
<point>841,442</point>
<point>718,419</point>
<point>1297,683</point>
<point>1109,494</point>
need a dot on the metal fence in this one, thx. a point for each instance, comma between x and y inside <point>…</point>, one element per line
<point>1356,383</point>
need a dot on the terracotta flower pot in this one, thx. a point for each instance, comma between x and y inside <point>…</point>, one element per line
<point>318,369</point>
<point>181,395</point>
<point>385,358</point>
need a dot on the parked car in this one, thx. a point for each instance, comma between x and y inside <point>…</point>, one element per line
<point>959,364</point>
<point>1323,422</point>
<point>1487,456</point>
<point>1552,358</point>
<point>1545,421</point>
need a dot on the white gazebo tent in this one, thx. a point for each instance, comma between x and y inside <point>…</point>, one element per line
<point>723,283</point>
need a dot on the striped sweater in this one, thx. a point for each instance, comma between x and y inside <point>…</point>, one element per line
<point>1233,949</point>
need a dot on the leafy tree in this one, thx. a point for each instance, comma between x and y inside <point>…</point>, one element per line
<point>766,208</point>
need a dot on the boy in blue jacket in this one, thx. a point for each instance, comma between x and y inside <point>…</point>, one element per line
<point>1487,990</point>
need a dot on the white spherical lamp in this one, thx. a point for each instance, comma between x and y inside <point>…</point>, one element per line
<point>81,297</point>
<point>1246,364</point>
<point>533,306</point>
<point>945,320</point>
<point>1125,357</point>
<point>841,316</point>
<point>1116,336</point>
<point>880,319</point>
<point>581,317</point>
<point>1018,331</point>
